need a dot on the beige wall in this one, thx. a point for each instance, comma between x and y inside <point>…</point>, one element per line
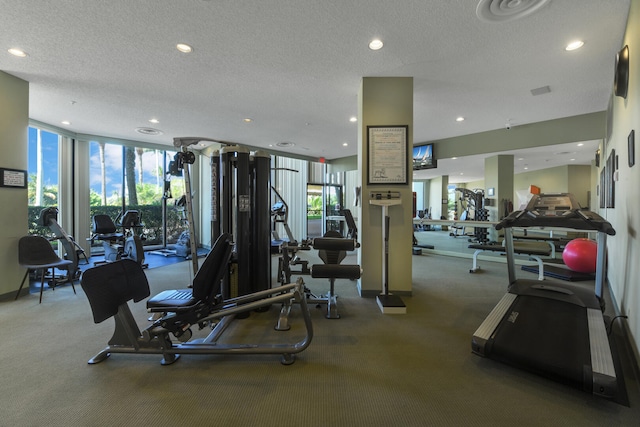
<point>14,123</point>
<point>624,247</point>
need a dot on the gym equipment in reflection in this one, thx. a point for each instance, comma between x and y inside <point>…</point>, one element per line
<point>581,255</point>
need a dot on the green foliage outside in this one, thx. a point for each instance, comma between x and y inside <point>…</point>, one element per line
<point>150,207</point>
<point>151,218</point>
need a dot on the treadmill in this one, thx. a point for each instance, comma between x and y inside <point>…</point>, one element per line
<point>553,329</point>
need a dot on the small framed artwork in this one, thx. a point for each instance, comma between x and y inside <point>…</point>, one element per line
<point>631,147</point>
<point>15,178</point>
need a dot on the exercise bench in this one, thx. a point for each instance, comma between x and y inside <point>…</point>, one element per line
<point>332,250</point>
<point>531,253</point>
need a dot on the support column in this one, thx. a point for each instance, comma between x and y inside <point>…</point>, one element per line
<point>385,101</point>
<point>14,123</point>
<point>498,179</point>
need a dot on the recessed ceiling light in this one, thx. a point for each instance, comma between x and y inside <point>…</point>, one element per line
<point>574,45</point>
<point>376,44</point>
<point>17,52</point>
<point>580,144</point>
<point>460,119</point>
<point>454,158</point>
<point>353,119</point>
<point>345,144</point>
<point>66,122</point>
<point>184,48</point>
<point>247,120</point>
<point>154,121</point>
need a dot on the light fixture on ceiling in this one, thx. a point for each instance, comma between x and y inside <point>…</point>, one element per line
<point>460,119</point>
<point>66,122</point>
<point>149,131</point>
<point>17,52</point>
<point>507,10</point>
<point>247,120</point>
<point>184,48</point>
<point>353,119</point>
<point>285,144</point>
<point>376,44</point>
<point>154,121</point>
<point>345,144</point>
<point>574,45</point>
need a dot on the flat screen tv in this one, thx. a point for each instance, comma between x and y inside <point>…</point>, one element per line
<point>423,157</point>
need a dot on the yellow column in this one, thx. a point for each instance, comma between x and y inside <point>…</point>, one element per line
<point>385,101</point>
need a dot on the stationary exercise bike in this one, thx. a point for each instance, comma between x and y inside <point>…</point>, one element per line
<point>119,245</point>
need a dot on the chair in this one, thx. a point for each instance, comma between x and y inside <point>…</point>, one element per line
<point>36,253</point>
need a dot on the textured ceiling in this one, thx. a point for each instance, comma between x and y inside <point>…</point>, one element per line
<point>295,67</point>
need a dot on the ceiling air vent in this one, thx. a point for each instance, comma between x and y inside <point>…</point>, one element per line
<point>149,131</point>
<point>285,144</point>
<point>507,10</point>
<point>540,91</point>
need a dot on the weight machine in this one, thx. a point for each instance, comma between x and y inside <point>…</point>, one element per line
<point>235,278</point>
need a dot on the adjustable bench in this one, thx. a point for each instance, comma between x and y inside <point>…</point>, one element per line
<point>532,253</point>
<point>332,250</point>
<point>109,287</point>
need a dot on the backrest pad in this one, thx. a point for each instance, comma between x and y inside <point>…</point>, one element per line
<point>206,283</point>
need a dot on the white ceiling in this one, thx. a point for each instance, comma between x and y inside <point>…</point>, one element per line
<point>295,67</point>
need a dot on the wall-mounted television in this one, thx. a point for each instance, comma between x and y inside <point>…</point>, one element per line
<point>423,157</point>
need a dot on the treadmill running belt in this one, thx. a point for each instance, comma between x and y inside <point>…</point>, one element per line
<point>546,336</point>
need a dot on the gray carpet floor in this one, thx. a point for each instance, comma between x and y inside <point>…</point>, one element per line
<point>365,369</point>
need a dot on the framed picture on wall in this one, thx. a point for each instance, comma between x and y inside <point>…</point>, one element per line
<point>387,154</point>
<point>631,147</point>
<point>611,184</point>
<point>14,178</point>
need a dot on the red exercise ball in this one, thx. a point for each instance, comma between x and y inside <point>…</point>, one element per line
<point>580,255</point>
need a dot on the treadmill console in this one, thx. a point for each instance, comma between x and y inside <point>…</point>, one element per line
<point>556,210</point>
<point>552,205</point>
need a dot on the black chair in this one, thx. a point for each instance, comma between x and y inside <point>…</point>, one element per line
<point>36,253</point>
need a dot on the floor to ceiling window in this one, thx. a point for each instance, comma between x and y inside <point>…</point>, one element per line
<point>125,178</point>
<point>43,171</point>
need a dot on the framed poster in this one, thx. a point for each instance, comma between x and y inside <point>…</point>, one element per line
<point>631,147</point>
<point>13,178</point>
<point>387,156</point>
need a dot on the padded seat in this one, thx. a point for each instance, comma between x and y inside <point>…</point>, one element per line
<point>206,283</point>
<point>36,253</point>
<point>104,228</point>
